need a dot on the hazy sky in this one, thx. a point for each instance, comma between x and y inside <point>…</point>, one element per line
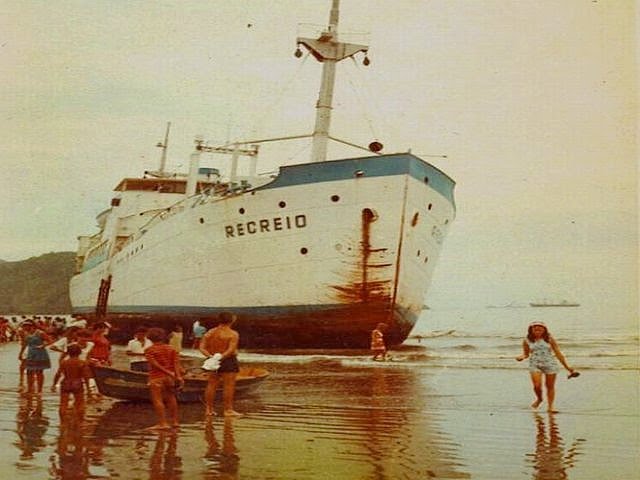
<point>533,102</point>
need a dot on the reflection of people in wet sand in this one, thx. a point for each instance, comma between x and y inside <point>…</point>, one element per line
<point>165,375</point>
<point>378,347</point>
<point>72,459</point>
<point>542,350</point>
<point>222,461</point>
<point>223,341</point>
<point>550,461</point>
<point>75,374</point>
<point>164,462</point>
<point>31,425</point>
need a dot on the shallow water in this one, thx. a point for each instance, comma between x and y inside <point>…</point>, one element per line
<point>453,404</point>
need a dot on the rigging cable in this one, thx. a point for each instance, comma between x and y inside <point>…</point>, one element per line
<point>278,98</point>
<point>363,105</point>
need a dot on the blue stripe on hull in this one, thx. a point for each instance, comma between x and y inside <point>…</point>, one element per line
<point>377,166</point>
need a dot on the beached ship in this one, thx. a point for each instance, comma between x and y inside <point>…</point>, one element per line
<point>314,257</point>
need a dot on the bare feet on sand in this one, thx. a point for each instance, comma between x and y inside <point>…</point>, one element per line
<point>536,403</point>
<point>232,413</point>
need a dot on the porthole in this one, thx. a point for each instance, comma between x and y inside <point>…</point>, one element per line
<point>358,173</point>
<point>426,179</point>
<point>430,206</point>
<point>335,198</point>
<point>426,259</point>
<point>201,220</point>
<point>282,204</point>
<point>414,220</point>
<point>446,221</point>
<point>418,254</point>
<point>241,210</point>
<point>303,250</point>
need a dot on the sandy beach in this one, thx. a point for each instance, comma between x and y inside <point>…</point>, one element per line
<point>341,417</point>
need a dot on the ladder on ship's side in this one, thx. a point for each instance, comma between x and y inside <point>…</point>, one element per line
<point>103,297</point>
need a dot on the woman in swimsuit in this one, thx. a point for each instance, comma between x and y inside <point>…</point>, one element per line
<point>542,351</point>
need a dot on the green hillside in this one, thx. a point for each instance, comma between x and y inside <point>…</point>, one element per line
<point>36,285</point>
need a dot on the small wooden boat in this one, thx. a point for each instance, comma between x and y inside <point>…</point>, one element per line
<point>127,384</point>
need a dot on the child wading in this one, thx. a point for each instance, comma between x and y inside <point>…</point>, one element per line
<point>75,374</point>
<point>542,350</point>
<point>378,347</point>
<point>165,375</point>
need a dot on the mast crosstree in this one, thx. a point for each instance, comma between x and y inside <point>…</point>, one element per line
<point>329,51</point>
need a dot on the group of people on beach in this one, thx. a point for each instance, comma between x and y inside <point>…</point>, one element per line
<point>10,325</point>
<point>80,348</point>
<point>538,346</point>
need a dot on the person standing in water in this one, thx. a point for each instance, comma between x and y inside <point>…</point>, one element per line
<point>101,352</point>
<point>542,351</point>
<point>75,374</point>
<point>37,359</point>
<point>222,340</point>
<point>378,347</point>
<point>165,376</point>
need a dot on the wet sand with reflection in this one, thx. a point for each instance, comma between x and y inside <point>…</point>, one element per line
<point>324,419</point>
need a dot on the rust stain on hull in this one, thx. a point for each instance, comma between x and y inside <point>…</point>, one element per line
<point>366,294</point>
<point>367,280</point>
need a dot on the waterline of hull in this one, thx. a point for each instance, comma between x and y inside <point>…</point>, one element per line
<point>308,326</point>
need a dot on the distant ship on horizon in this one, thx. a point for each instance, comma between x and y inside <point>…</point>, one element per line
<point>551,303</point>
<point>507,305</point>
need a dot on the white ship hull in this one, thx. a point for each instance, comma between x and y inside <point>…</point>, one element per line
<point>315,258</point>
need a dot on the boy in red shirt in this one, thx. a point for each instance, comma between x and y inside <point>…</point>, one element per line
<point>164,375</point>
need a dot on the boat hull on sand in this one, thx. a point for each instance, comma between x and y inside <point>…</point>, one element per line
<point>125,384</point>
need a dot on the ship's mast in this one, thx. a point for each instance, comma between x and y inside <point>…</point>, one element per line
<point>164,145</point>
<point>329,51</point>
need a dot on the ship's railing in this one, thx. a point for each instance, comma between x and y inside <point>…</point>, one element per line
<point>216,192</point>
<point>95,256</point>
